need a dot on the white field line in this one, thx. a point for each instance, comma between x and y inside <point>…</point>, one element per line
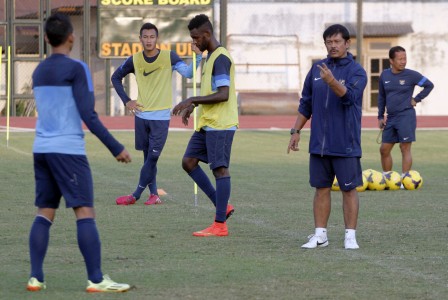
<point>16,150</point>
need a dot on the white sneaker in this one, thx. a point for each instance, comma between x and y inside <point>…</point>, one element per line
<point>107,285</point>
<point>350,243</point>
<point>315,241</point>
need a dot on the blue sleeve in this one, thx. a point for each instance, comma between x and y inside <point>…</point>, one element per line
<point>427,88</point>
<point>355,85</point>
<point>305,107</point>
<point>181,67</point>
<point>221,71</point>
<point>381,99</point>
<point>117,78</point>
<point>85,102</point>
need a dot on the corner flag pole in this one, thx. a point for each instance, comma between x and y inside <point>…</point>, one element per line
<point>8,95</point>
<point>194,121</point>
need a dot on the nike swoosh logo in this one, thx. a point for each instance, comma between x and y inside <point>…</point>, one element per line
<point>146,74</point>
<point>321,243</point>
<point>405,139</point>
<point>316,78</point>
<point>386,81</point>
<point>347,184</point>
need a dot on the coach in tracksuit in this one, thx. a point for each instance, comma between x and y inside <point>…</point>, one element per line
<point>332,96</point>
<point>396,87</point>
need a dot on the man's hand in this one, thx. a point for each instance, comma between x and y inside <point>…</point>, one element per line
<point>413,102</point>
<point>294,143</point>
<point>325,73</point>
<point>133,106</point>
<point>195,49</point>
<point>186,114</point>
<point>381,123</point>
<point>124,157</point>
<point>181,106</point>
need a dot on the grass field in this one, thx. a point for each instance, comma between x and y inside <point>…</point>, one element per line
<point>402,234</point>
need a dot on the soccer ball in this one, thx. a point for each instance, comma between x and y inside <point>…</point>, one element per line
<point>335,185</point>
<point>412,180</point>
<point>364,185</point>
<point>393,180</point>
<point>376,181</point>
<point>367,173</point>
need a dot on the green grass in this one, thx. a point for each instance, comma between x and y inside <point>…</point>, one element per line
<point>402,234</point>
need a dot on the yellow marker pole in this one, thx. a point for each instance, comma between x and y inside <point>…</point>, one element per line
<point>8,95</point>
<point>194,121</point>
<point>1,55</point>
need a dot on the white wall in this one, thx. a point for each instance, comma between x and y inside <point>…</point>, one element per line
<point>426,47</point>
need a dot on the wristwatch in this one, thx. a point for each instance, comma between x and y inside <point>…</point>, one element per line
<point>293,130</point>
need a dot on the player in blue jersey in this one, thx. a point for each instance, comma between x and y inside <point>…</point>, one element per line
<point>217,122</point>
<point>64,97</point>
<point>396,89</point>
<point>332,98</point>
<point>153,71</point>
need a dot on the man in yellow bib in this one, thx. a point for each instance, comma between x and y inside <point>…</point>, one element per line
<point>153,70</point>
<point>217,115</point>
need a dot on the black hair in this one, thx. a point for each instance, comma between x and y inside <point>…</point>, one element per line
<point>394,50</point>
<point>198,21</point>
<point>335,29</point>
<point>58,28</point>
<point>149,26</point>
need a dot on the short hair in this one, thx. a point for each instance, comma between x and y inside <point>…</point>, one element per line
<point>394,50</point>
<point>198,21</point>
<point>58,28</point>
<point>335,29</point>
<point>149,26</point>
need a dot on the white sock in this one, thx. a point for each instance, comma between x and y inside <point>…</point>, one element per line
<point>319,231</point>
<point>350,233</point>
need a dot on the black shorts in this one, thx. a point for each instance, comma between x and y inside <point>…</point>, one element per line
<point>347,170</point>
<point>400,128</point>
<point>212,147</point>
<point>58,175</point>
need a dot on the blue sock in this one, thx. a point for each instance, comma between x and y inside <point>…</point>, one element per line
<point>90,245</point>
<point>147,174</point>
<point>38,243</point>
<point>153,185</point>
<point>203,182</point>
<point>222,198</point>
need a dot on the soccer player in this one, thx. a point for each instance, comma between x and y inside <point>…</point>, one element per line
<point>64,96</point>
<point>217,116</point>
<point>396,87</point>
<point>153,70</point>
<point>332,96</point>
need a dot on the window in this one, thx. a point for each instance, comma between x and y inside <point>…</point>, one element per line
<point>27,40</point>
<point>377,65</point>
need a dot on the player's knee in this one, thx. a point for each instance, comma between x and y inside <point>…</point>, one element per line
<point>384,151</point>
<point>154,156</point>
<point>221,172</point>
<point>188,164</point>
<point>405,147</point>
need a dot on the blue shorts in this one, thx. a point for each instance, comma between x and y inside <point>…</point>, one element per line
<point>60,175</point>
<point>347,170</point>
<point>212,147</point>
<point>400,128</point>
<point>151,135</point>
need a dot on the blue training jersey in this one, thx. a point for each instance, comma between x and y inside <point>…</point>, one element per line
<point>63,91</point>
<point>396,90</point>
